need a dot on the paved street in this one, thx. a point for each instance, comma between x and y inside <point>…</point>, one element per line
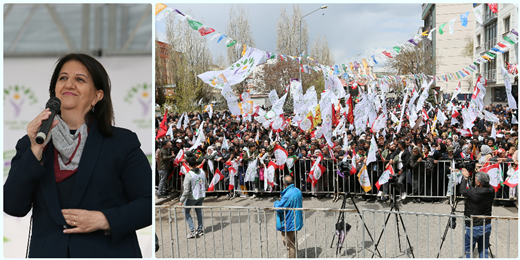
<point>236,233</point>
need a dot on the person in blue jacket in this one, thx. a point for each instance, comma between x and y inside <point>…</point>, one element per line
<point>289,221</point>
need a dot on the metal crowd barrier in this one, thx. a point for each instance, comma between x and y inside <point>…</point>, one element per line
<point>250,232</point>
<point>498,248</point>
<point>420,183</point>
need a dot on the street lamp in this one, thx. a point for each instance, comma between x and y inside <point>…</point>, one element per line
<point>323,7</point>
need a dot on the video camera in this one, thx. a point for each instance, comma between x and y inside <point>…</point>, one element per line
<point>468,164</point>
<point>344,166</point>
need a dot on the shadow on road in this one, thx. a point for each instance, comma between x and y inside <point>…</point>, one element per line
<point>313,252</point>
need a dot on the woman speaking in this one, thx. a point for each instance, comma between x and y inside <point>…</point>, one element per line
<point>89,184</point>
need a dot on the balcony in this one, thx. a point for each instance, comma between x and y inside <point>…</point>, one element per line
<point>490,75</point>
<point>489,44</point>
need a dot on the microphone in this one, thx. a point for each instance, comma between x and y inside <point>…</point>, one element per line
<point>54,105</point>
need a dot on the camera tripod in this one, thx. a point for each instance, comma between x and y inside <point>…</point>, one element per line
<point>341,219</point>
<point>397,219</point>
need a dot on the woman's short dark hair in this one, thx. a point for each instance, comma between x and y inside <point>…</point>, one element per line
<point>104,112</point>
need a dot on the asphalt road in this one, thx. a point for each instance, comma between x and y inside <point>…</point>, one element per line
<point>251,233</point>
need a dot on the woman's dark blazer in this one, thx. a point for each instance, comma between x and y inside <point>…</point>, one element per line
<point>114,177</point>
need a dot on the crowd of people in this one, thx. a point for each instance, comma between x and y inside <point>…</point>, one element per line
<point>411,150</point>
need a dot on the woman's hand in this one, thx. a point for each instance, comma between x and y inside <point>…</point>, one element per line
<point>32,131</point>
<point>84,221</point>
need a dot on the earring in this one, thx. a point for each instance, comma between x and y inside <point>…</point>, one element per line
<point>93,108</point>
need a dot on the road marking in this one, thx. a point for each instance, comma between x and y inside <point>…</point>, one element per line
<point>301,240</point>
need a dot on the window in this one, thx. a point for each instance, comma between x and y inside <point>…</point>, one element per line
<point>500,94</point>
<point>488,14</point>
<point>506,24</point>
<point>505,57</point>
<point>478,41</point>
<point>490,35</point>
<point>490,70</point>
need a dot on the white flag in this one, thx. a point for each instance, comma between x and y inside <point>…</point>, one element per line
<point>225,144</point>
<point>372,151</point>
<point>179,122</point>
<point>441,117</point>
<point>238,71</point>
<point>494,132</point>
<point>451,23</point>
<point>251,171</point>
<point>507,82</point>
<point>273,97</point>
<point>170,131</point>
<point>478,13</point>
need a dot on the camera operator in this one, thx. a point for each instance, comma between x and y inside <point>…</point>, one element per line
<point>479,200</point>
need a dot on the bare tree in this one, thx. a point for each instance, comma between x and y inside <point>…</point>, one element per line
<point>320,50</point>
<point>239,29</point>
<point>278,75</point>
<point>415,60</point>
<point>221,62</point>
<point>288,32</point>
<point>188,56</point>
<point>467,52</point>
<point>160,74</point>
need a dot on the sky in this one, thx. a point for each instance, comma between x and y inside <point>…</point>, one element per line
<point>351,29</point>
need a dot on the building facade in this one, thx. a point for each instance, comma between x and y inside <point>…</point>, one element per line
<point>494,27</point>
<point>448,48</point>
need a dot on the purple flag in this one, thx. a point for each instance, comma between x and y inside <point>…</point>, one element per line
<point>411,41</point>
<point>340,173</point>
<point>179,12</point>
<point>514,32</point>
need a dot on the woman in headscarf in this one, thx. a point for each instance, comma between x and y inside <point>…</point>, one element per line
<point>486,154</point>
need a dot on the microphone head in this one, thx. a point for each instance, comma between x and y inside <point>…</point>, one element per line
<point>54,104</point>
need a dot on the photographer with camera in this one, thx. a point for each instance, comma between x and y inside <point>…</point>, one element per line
<point>479,201</point>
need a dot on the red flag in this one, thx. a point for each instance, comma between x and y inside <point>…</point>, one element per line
<point>178,158</point>
<point>455,113</point>
<point>205,31</point>
<point>216,178</point>
<point>336,114</point>
<point>493,7</point>
<point>501,45</point>
<point>350,115</point>
<point>353,169</point>
<point>387,54</point>
<point>464,132</point>
<point>184,169</point>
<point>425,115</point>
<point>163,129</point>
<point>385,176</point>
<point>281,156</point>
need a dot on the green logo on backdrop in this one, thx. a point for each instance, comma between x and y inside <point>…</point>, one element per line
<point>141,94</point>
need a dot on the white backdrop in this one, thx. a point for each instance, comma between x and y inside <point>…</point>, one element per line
<point>26,90</point>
